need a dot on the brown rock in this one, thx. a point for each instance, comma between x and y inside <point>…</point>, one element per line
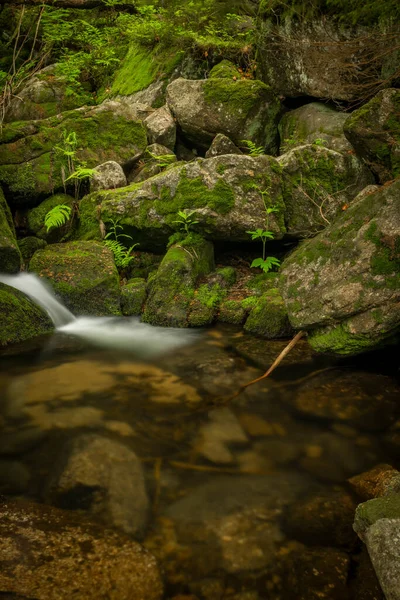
<point>379,481</point>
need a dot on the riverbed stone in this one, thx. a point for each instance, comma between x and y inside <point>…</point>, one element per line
<point>105,478</point>
<point>314,123</point>
<point>20,318</point>
<point>107,176</point>
<point>381,480</point>
<point>317,183</point>
<point>374,131</point>
<point>133,296</point>
<point>82,274</point>
<point>343,285</point>
<point>223,194</point>
<point>32,160</point>
<point>10,255</point>
<point>242,110</point>
<point>49,554</point>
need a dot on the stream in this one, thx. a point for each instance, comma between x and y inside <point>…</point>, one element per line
<point>243,498</point>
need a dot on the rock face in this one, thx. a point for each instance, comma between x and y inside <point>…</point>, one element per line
<point>303,57</point>
<point>343,285</point>
<point>32,153</point>
<point>223,193</point>
<point>48,554</point>
<point>105,478</point>
<point>20,318</point>
<point>374,131</point>
<point>82,274</point>
<point>109,175</point>
<point>43,95</point>
<point>317,183</point>
<point>10,255</point>
<point>161,127</point>
<point>314,122</point>
<point>241,109</point>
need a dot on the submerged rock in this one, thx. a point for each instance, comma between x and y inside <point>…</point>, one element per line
<point>105,478</point>
<point>374,131</point>
<point>82,274</point>
<point>49,554</point>
<point>20,318</point>
<point>379,481</point>
<point>343,285</point>
<point>240,109</point>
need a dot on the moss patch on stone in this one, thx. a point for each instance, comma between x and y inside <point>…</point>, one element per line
<point>10,256</point>
<point>268,317</point>
<point>133,296</point>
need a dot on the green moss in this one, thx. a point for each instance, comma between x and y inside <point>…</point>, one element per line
<point>133,296</point>
<point>21,319</point>
<point>386,258</point>
<point>231,311</point>
<point>10,256</point>
<point>28,247</point>
<point>238,97</point>
<point>36,216</point>
<point>268,317</point>
<point>338,339</point>
<point>367,513</point>
<point>224,70</point>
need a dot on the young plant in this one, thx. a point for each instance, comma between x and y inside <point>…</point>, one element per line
<point>57,216</point>
<point>266,263</point>
<point>71,168</point>
<point>122,255</point>
<point>186,220</point>
<point>252,148</point>
<point>163,160</point>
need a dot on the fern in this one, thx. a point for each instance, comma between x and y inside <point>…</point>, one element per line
<point>252,148</point>
<point>122,256</point>
<point>57,216</point>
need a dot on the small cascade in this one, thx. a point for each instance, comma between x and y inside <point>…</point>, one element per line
<point>119,333</point>
<point>37,290</point>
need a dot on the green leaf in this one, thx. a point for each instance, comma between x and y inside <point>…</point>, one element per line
<point>57,216</point>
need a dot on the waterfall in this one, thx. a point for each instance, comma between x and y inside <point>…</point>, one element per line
<point>127,334</point>
<point>42,295</point>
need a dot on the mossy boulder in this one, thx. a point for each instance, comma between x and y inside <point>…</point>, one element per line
<point>133,296</point>
<point>32,157</point>
<point>224,195</point>
<point>20,318</point>
<point>171,289</point>
<point>318,184</point>
<point>209,295</point>
<point>44,95</point>
<point>374,131</point>
<point>268,317</point>
<point>343,285</point>
<point>156,158</point>
<point>28,247</point>
<point>242,109</point>
<point>314,123</point>
<point>82,274</point>
<point>35,218</point>
<point>224,70</point>
<point>10,255</point>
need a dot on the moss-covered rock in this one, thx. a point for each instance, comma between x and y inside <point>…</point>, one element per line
<point>35,219</point>
<point>28,247</point>
<point>314,123</point>
<point>133,296</point>
<point>32,156</point>
<point>20,318</point>
<point>317,184</point>
<point>82,274</point>
<point>225,195</point>
<point>44,95</point>
<point>368,513</point>
<point>171,289</point>
<point>374,131</point>
<point>10,256</point>
<point>268,317</point>
<point>343,285</point>
<point>224,70</point>
<point>209,295</point>
<point>242,109</point>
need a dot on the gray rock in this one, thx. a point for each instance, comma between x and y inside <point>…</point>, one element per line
<point>314,123</point>
<point>317,183</point>
<point>161,127</point>
<point>152,95</point>
<point>48,554</point>
<point>344,284</point>
<point>220,145</point>
<point>106,478</point>
<point>106,176</point>
<point>374,132</point>
<point>242,109</point>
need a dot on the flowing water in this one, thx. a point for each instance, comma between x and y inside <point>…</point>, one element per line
<point>243,498</point>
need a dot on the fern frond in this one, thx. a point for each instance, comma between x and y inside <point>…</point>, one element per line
<point>57,216</point>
